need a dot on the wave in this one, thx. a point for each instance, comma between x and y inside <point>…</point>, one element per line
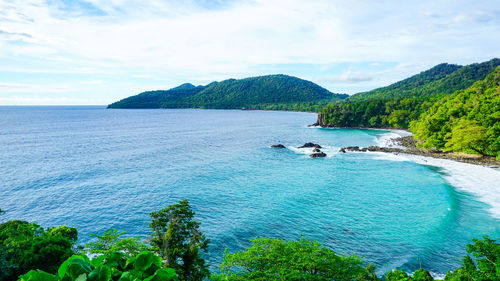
<point>329,150</point>
<point>480,181</point>
<point>386,140</point>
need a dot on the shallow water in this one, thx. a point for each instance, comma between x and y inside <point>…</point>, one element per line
<point>94,169</point>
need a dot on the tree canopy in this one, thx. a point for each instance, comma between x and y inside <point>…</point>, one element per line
<point>274,259</point>
<point>177,238</point>
<point>467,120</point>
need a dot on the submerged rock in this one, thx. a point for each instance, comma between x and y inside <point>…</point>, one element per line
<point>342,150</point>
<point>310,144</point>
<point>316,150</point>
<point>318,155</point>
<point>278,146</point>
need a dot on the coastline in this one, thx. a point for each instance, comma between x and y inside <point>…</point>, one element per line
<point>404,143</point>
<point>410,148</point>
<point>475,176</point>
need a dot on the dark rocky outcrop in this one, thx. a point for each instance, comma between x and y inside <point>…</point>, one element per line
<point>309,145</point>
<point>371,148</point>
<point>316,149</point>
<point>318,155</point>
<point>278,146</point>
<point>409,142</point>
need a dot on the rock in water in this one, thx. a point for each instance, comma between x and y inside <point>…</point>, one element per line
<point>278,146</point>
<point>318,155</point>
<point>316,150</point>
<point>342,150</point>
<point>310,144</point>
<point>374,148</point>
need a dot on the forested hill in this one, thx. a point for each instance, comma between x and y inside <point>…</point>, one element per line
<point>467,120</point>
<point>397,105</point>
<point>441,79</point>
<point>263,92</point>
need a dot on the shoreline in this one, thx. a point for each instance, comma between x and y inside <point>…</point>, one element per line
<point>406,144</point>
<point>473,174</point>
<point>410,144</point>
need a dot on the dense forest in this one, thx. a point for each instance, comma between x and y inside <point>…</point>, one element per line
<point>276,92</point>
<point>467,120</point>
<point>440,106</point>
<point>173,251</point>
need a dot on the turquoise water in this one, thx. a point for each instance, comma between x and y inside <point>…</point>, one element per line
<point>94,169</point>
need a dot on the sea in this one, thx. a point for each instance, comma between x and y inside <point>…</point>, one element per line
<point>95,168</point>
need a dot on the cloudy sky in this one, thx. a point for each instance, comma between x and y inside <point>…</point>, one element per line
<point>99,51</point>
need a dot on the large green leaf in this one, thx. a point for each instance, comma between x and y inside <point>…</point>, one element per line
<point>145,260</point>
<point>128,276</point>
<point>116,260</point>
<point>100,273</point>
<point>97,260</point>
<point>81,277</point>
<point>162,274</point>
<point>74,267</point>
<point>37,275</point>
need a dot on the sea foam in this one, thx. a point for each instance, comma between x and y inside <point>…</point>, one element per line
<point>481,181</point>
<point>386,140</point>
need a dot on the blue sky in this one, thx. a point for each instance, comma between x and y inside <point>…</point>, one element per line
<point>98,51</point>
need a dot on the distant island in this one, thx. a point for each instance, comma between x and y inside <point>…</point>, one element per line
<point>270,92</point>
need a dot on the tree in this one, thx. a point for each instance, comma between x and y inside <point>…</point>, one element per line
<point>275,259</point>
<point>24,246</point>
<point>110,241</point>
<point>177,238</point>
<point>466,136</point>
<point>483,265</point>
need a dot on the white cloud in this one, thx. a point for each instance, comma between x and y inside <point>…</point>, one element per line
<point>349,77</point>
<point>92,82</point>
<point>181,39</point>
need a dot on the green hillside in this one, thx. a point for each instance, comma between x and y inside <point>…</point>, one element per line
<point>441,79</point>
<point>397,105</point>
<point>280,92</point>
<point>467,120</point>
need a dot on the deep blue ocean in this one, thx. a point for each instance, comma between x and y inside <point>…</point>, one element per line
<point>95,168</point>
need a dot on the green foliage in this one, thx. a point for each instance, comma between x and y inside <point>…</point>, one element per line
<point>401,275</point>
<point>177,238</point>
<point>273,92</point>
<point>274,259</point>
<point>378,113</point>
<point>442,79</point>
<point>37,275</point>
<point>25,246</point>
<point>466,120</point>
<point>397,105</point>
<point>112,266</point>
<point>483,265</point>
<point>110,241</point>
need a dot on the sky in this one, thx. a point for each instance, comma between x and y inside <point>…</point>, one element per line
<point>94,52</point>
